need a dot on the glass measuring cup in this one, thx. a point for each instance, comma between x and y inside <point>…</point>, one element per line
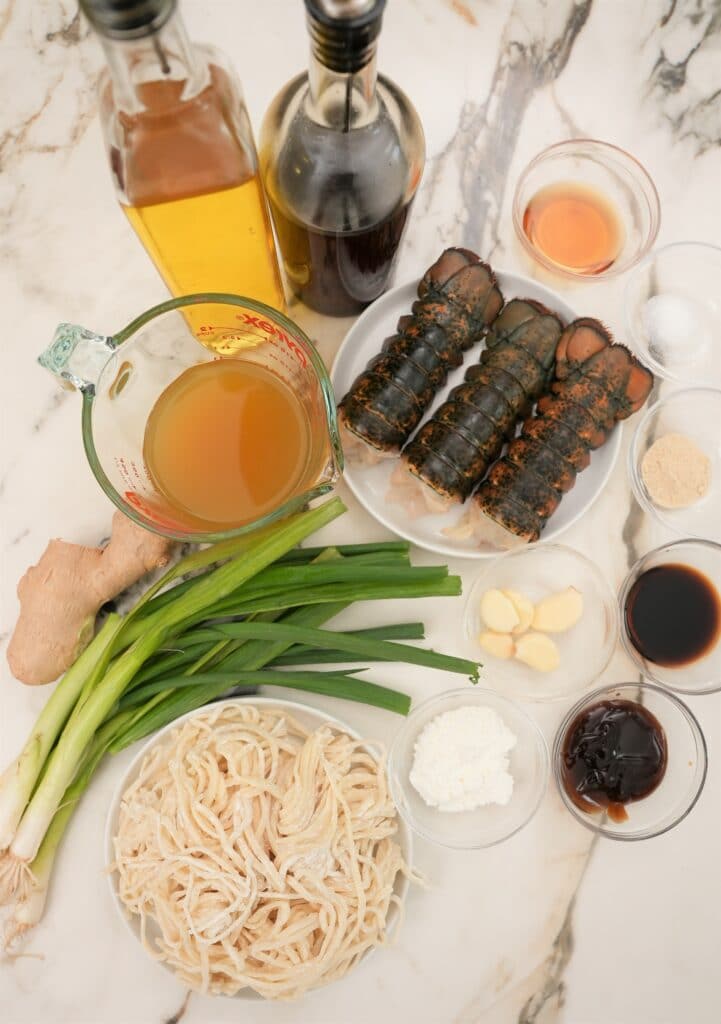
<point>121,376</point>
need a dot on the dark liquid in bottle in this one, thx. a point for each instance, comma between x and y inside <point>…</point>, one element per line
<point>336,272</point>
<point>673,615</point>
<point>614,753</point>
<point>340,201</point>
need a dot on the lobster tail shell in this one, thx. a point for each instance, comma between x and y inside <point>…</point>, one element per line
<point>458,298</point>
<point>562,438</point>
<point>428,349</point>
<point>597,384</point>
<point>516,519</point>
<point>453,450</point>
<point>582,339</point>
<point>448,263</point>
<point>613,370</point>
<point>459,293</point>
<point>502,380</point>
<point>515,314</point>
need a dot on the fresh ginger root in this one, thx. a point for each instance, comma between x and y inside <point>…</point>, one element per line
<point>61,595</point>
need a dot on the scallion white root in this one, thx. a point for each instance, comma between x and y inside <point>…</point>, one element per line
<point>16,878</point>
<point>27,913</point>
<point>32,894</point>
<point>18,780</point>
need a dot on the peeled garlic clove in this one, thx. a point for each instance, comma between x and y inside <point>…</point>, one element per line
<point>498,612</point>
<point>500,645</point>
<point>558,612</point>
<point>524,610</point>
<point>538,651</point>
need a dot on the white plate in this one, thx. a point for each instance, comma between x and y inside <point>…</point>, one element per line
<point>308,716</point>
<point>370,484</point>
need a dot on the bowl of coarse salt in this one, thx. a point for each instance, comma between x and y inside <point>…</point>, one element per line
<point>468,769</point>
<point>673,312</point>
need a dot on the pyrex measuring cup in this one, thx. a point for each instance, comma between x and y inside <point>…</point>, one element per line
<point>122,375</point>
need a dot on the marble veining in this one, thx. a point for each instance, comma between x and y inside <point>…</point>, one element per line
<point>520,934</point>
<point>679,80</point>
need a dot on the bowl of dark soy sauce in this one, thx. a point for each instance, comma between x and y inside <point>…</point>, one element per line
<point>670,607</point>
<point>629,761</point>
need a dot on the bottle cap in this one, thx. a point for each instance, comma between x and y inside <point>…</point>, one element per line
<point>127,19</point>
<point>343,32</point>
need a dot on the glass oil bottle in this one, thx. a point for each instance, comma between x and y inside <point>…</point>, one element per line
<point>182,154</point>
<point>342,153</point>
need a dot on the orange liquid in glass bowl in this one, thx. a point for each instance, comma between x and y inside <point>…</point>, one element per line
<point>575,226</point>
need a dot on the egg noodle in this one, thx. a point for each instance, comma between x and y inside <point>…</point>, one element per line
<point>258,854</point>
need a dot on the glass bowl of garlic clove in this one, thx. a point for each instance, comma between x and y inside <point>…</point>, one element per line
<point>543,622</point>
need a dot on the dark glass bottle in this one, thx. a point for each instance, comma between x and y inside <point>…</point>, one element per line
<point>341,154</point>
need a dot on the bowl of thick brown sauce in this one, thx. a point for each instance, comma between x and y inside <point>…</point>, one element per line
<point>630,760</point>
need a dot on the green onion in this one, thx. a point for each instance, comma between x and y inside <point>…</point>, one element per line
<point>384,649</point>
<point>390,554</point>
<point>29,908</point>
<point>400,547</point>
<point>300,654</point>
<point>329,684</point>
<point>332,683</point>
<point>349,592</point>
<point>404,583</point>
<point>18,781</point>
<point>89,716</point>
<point>254,654</point>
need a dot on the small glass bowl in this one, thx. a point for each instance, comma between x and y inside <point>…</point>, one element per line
<point>704,674</point>
<point>609,170</point>
<point>695,413</point>
<point>685,773</point>
<point>585,649</point>
<point>673,312</point>
<point>485,826</point>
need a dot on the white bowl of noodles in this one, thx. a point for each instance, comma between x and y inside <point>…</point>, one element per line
<point>247,889</point>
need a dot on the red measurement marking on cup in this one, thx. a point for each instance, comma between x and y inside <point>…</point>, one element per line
<point>134,499</point>
<point>130,473</point>
<point>122,466</point>
<point>275,335</point>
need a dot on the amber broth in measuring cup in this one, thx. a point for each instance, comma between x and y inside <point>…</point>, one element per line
<point>227,442</point>
<point>207,416</point>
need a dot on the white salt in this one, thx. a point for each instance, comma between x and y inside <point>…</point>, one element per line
<point>677,330</point>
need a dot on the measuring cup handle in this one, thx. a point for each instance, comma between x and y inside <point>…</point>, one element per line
<point>77,356</point>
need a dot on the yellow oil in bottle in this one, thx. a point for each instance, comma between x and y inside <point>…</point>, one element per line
<point>190,187</point>
<point>220,241</point>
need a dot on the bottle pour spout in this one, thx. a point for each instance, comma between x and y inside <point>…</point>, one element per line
<point>77,357</point>
<point>344,32</point>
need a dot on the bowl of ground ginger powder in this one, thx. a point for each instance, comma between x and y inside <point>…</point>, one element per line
<point>675,462</point>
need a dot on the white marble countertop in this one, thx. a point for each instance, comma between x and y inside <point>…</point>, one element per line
<point>551,927</point>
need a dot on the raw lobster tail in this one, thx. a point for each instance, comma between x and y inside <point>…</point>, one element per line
<point>452,451</point>
<point>458,298</point>
<point>597,384</point>
<point>460,294</point>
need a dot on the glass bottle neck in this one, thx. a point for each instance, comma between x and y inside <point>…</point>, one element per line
<point>166,56</point>
<point>342,101</point>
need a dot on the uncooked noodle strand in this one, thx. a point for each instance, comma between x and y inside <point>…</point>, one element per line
<point>258,854</point>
